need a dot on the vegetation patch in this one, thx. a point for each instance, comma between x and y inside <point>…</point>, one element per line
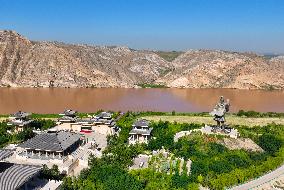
<point>7,136</point>
<point>152,85</point>
<point>255,114</point>
<point>169,55</point>
<point>231,120</point>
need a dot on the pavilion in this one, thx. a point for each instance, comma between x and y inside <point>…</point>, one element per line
<point>140,133</point>
<point>20,120</point>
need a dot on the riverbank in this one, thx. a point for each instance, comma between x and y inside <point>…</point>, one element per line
<point>231,120</point>
<point>242,118</point>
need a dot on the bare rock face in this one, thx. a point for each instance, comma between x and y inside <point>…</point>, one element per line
<point>219,69</point>
<point>38,64</point>
<point>24,63</point>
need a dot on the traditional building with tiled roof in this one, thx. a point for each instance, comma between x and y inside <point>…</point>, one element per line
<point>140,133</point>
<point>20,120</point>
<point>51,145</point>
<point>15,176</point>
<point>68,116</point>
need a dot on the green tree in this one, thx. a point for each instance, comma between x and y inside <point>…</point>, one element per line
<point>270,143</point>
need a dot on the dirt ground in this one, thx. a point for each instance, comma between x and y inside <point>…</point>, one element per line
<point>231,120</point>
<point>241,143</point>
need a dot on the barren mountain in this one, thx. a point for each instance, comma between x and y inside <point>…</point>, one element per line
<point>25,63</point>
<point>220,69</point>
<point>34,64</point>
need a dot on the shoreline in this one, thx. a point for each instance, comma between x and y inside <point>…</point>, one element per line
<point>252,89</point>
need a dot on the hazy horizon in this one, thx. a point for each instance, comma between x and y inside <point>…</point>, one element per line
<point>242,26</point>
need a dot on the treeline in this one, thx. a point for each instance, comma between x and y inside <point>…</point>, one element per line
<point>7,137</point>
<point>242,113</point>
<point>7,134</point>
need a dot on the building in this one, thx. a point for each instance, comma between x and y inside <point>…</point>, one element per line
<point>101,123</point>
<point>19,120</point>
<point>140,133</point>
<point>58,148</point>
<point>51,145</point>
<point>68,116</point>
<point>16,176</point>
<point>104,118</point>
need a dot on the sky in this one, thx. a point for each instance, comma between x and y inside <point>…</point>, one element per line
<point>233,25</point>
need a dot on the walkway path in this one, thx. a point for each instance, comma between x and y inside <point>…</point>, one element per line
<point>264,180</point>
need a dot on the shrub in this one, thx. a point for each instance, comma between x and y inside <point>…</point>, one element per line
<point>270,143</point>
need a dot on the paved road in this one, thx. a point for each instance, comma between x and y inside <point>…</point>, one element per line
<point>261,180</point>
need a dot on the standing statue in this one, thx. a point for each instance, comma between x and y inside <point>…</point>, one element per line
<point>219,112</point>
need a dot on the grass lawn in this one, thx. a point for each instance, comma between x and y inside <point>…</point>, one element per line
<point>232,120</point>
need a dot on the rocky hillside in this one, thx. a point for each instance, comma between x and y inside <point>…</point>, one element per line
<point>39,64</point>
<point>219,69</point>
<point>24,63</point>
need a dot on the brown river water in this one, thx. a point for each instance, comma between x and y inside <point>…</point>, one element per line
<point>45,100</point>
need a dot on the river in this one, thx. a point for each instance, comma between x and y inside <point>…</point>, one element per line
<point>55,100</point>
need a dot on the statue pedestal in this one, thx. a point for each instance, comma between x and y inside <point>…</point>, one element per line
<point>217,130</point>
<point>221,129</point>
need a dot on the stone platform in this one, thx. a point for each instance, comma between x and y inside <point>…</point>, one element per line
<point>227,131</point>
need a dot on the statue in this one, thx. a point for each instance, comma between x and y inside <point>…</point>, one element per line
<point>219,112</point>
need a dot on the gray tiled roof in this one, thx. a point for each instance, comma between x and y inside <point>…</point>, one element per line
<point>5,153</point>
<point>68,113</point>
<point>13,176</point>
<point>21,114</point>
<point>84,120</point>
<point>67,118</point>
<point>141,122</point>
<point>19,122</point>
<point>104,115</point>
<point>141,132</point>
<point>51,141</point>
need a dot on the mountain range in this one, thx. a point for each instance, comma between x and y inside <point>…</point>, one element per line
<point>27,63</point>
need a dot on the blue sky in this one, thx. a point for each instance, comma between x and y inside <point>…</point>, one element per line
<point>237,25</point>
